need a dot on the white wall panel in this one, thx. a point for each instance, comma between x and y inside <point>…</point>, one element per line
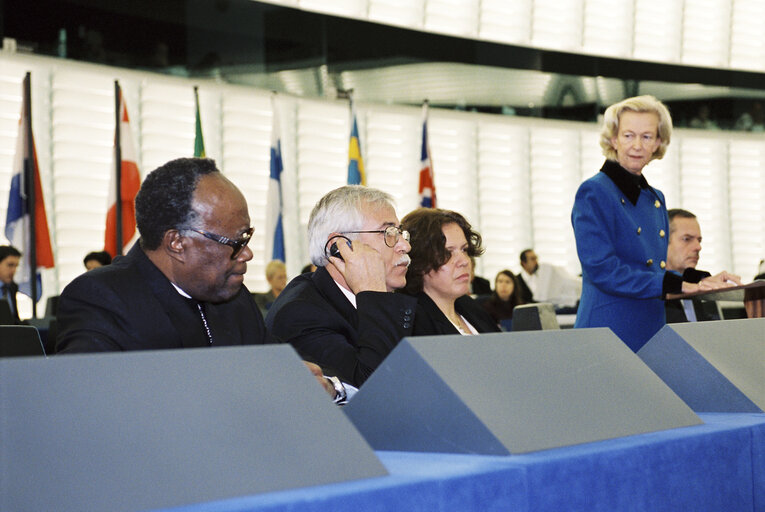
<point>504,197</point>
<point>507,22</point>
<point>704,191</point>
<point>513,178</point>
<point>557,24</point>
<point>746,161</point>
<point>747,37</point>
<point>658,30</point>
<point>554,177</point>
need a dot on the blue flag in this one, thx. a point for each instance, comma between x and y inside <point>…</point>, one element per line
<point>356,174</point>
<point>274,229</point>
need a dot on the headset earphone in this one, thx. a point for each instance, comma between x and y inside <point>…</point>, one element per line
<point>333,250</point>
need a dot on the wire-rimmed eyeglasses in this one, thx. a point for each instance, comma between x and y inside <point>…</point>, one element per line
<point>392,234</point>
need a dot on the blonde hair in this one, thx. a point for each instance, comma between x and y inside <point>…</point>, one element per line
<point>635,104</point>
<point>273,267</point>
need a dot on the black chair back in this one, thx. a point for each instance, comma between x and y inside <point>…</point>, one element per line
<point>51,305</point>
<point>6,317</point>
<point>538,316</point>
<point>20,341</point>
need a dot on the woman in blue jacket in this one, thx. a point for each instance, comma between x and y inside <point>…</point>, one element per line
<point>621,228</point>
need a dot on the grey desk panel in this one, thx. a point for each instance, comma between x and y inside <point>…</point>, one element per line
<point>714,366</point>
<point>144,430</point>
<point>512,393</point>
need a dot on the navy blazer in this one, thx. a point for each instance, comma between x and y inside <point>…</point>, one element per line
<point>13,288</point>
<point>429,320</point>
<point>621,232</point>
<point>131,305</point>
<point>316,318</point>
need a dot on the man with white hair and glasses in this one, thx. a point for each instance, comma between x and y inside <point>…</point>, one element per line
<point>343,316</point>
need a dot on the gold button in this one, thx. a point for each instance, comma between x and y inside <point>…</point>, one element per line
<point>661,233</point>
<point>662,264</point>
<point>622,200</point>
<point>649,262</point>
<point>657,204</point>
<point>639,230</point>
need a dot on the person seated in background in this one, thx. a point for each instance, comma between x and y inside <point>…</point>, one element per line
<point>443,245</point>
<point>10,257</point>
<point>753,121</point>
<point>96,259</point>
<point>760,271</point>
<point>543,282</point>
<point>276,275</point>
<point>478,285</point>
<point>343,316</point>
<point>506,296</point>
<point>682,257</point>
<point>308,268</point>
<point>703,120</point>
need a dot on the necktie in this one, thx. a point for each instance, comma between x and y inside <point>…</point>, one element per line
<point>201,309</point>
<point>7,297</point>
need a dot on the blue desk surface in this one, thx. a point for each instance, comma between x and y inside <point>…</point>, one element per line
<point>718,466</point>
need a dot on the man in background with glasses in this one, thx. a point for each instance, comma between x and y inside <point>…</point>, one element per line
<point>343,316</point>
<point>181,285</point>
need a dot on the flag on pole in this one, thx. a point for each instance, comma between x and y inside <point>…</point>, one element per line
<point>356,174</point>
<point>274,230</point>
<point>199,141</point>
<point>28,233</point>
<point>130,182</point>
<point>427,188</point>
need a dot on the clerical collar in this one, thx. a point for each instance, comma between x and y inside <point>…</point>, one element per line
<point>180,291</point>
<point>627,182</point>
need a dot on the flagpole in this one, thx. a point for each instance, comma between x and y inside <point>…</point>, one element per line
<point>118,166</point>
<point>29,189</point>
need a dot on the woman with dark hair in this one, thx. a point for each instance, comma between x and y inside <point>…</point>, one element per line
<point>506,296</point>
<point>443,244</point>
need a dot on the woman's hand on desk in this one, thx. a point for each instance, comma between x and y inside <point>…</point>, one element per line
<point>722,280</point>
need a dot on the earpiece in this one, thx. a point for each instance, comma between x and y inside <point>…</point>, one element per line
<point>333,250</point>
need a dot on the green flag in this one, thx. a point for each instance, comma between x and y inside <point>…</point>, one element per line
<point>199,141</point>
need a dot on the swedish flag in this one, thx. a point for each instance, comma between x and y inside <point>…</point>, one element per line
<point>356,175</point>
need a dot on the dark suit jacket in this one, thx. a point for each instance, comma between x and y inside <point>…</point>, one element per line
<point>429,320</point>
<point>13,288</point>
<point>526,296</point>
<point>315,317</point>
<point>131,305</point>
<point>705,311</point>
<point>480,286</point>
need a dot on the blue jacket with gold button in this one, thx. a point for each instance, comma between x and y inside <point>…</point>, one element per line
<point>621,230</point>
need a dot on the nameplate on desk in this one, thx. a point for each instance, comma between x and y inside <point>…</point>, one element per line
<point>512,393</point>
<point>713,366</point>
<point>160,429</point>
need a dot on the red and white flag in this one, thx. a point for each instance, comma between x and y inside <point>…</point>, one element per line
<point>130,183</point>
<point>27,236</point>
<point>427,188</point>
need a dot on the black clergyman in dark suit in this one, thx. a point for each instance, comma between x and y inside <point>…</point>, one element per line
<point>9,263</point>
<point>181,285</point>
<point>344,317</point>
